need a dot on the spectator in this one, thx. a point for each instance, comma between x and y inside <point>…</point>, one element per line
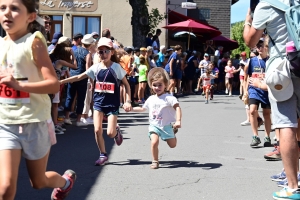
<point>95,35</point>
<point>149,39</point>
<point>157,33</point>
<point>56,36</point>
<point>284,112</point>
<point>161,57</point>
<point>77,41</point>
<point>219,51</point>
<point>106,33</point>
<point>155,45</point>
<point>47,21</point>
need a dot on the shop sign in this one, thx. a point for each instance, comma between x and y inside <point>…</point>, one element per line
<point>69,5</point>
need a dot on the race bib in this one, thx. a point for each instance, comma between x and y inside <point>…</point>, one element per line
<point>258,75</point>
<point>11,96</point>
<point>105,87</point>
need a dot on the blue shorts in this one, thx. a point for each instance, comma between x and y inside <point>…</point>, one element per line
<point>178,74</point>
<point>165,133</point>
<point>108,110</point>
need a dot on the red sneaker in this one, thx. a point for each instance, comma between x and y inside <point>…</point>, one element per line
<point>274,155</point>
<point>58,193</point>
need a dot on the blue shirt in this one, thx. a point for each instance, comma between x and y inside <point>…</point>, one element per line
<point>160,61</point>
<point>256,67</point>
<point>74,47</point>
<point>175,58</point>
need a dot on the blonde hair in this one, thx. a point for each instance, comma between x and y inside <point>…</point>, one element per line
<point>158,76</point>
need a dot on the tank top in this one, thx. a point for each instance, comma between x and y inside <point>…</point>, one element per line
<point>22,109</point>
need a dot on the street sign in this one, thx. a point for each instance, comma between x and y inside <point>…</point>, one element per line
<point>188,5</point>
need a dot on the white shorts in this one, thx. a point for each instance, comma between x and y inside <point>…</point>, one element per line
<point>56,98</point>
<point>33,139</point>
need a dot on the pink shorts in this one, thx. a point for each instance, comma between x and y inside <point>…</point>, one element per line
<point>242,77</point>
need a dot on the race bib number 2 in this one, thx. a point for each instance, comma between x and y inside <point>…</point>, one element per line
<point>11,96</point>
<point>105,87</point>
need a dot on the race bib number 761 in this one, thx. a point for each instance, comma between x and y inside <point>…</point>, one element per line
<point>11,96</point>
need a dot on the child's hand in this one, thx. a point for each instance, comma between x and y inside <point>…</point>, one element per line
<point>10,81</point>
<point>127,107</point>
<point>177,124</point>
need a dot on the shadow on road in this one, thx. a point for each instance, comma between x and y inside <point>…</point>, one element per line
<point>77,150</point>
<point>170,164</point>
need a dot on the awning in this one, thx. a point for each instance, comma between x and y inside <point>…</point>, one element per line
<point>174,17</point>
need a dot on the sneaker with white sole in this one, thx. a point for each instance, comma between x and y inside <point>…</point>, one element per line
<point>81,123</point>
<point>60,194</point>
<point>90,120</point>
<point>279,177</point>
<point>68,121</point>
<point>58,127</point>
<point>245,123</point>
<point>286,193</point>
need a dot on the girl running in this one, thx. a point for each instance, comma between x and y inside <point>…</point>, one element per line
<point>142,70</point>
<point>26,78</point>
<point>164,110</point>
<point>206,78</point>
<point>230,70</point>
<point>108,74</point>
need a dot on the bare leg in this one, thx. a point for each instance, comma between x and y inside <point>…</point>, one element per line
<point>267,118</point>
<point>253,119</point>
<point>154,146</point>
<point>289,155</point>
<point>39,178</point>
<point>98,117</point>
<point>172,142</point>
<point>9,168</point>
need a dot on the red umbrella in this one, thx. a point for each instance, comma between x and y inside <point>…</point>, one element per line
<point>225,42</point>
<point>194,27</point>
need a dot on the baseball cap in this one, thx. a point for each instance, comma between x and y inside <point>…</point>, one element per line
<point>136,49</point>
<point>155,70</point>
<point>243,53</point>
<point>206,55</point>
<point>194,52</point>
<point>94,33</point>
<point>170,49</point>
<point>87,39</point>
<point>162,47</point>
<point>56,36</point>
<point>278,79</point>
<point>143,49</point>
<point>63,39</point>
<point>77,36</point>
<point>105,42</point>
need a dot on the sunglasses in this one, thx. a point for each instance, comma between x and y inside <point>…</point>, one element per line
<point>48,23</point>
<point>104,51</point>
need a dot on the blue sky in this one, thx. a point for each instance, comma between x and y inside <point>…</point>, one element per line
<point>239,10</point>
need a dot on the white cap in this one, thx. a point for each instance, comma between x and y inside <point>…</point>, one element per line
<point>278,79</point>
<point>162,47</point>
<point>87,39</point>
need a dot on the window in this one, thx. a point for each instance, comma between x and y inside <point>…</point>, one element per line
<point>86,25</point>
<point>204,14</point>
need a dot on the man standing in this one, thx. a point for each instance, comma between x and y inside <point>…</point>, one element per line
<point>161,57</point>
<point>47,21</point>
<point>284,113</point>
<point>158,32</point>
<point>77,41</point>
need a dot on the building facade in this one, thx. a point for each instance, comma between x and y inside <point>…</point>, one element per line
<point>86,16</point>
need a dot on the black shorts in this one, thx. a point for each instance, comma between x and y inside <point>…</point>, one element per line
<point>143,82</point>
<point>257,102</point>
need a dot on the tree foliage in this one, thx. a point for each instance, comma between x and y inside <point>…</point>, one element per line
<point>155,17</point>
<point>237,35</point>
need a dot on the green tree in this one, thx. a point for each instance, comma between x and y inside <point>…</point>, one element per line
<point>237,35</point>
<point>142,21</point>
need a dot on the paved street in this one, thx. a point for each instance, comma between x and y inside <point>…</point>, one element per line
<point>212,161</point>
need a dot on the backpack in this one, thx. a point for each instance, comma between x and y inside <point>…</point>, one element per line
<point>292,20</point>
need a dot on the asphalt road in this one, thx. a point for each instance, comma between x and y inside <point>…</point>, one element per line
<point>212,160</point>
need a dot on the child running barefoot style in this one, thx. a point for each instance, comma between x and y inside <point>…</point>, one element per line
<point>164,110</point>
<point>108,74</point>
<point>26,78</point>
<point>206,78</point>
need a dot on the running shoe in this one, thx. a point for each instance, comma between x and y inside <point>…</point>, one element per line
<point>58,193</point>
<point>267,142</point>
<point>255,141</point>
<point>226,91</point>
<point>245,123</point>
<point>284,182</point>
<point>206,102</point>
<point>68,121</point>
<point>103,159</point>
<point>81,123</point>
<point>58,132</point>
<point>119,136</point>
<point>274,155</point>
<point>240,96</point>
<point>230,94</point>
<point>60,108</point>
<point>58,127</point>
<point>279,177</point>
<point>285,194</point>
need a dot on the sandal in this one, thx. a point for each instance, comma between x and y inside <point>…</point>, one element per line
<point>154,164</point>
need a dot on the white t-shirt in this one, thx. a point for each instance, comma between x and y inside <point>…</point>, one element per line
<point>154,44</point>
<point>153,64</point>
<point>245,62</point>
<point>205,63</point>
<point>94,69</point>
<point>207,79</point>
<point>161,111</point>
<point>217,53</point>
